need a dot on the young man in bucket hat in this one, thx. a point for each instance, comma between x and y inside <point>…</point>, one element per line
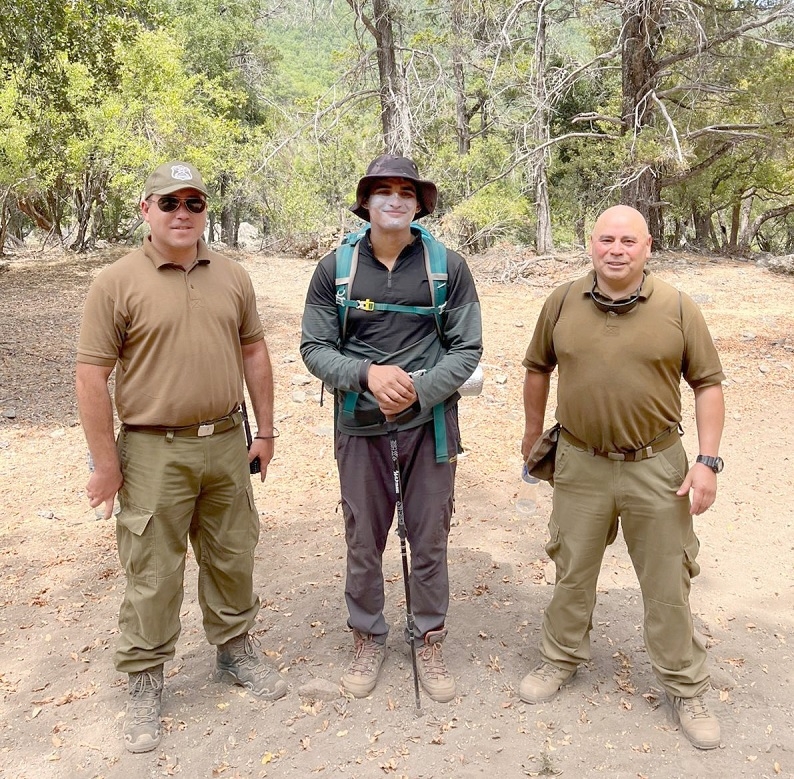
<point>179,324</point>
<point>397,366</point>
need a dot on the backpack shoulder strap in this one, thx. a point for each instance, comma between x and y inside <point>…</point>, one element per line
<point>346,265</point>
<point>436,268</point>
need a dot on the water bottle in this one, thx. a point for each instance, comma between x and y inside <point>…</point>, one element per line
<point>99,511</point>
<point>527,498</point>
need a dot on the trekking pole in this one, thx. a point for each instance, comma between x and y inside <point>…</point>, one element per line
<point>401,532</point>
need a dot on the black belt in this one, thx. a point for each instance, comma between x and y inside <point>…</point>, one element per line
<point>201,431</point>
<point>659,444</point>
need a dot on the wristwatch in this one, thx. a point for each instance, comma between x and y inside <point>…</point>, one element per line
<point>715,463</point>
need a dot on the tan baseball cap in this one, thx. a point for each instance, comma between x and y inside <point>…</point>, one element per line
<point>173,176</point>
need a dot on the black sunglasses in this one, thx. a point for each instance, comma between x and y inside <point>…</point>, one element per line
<point>169,203</point>
<point>607,305</point>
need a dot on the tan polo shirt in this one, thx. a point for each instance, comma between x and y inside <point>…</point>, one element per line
<point>619,383</point>
<point>174,336</point>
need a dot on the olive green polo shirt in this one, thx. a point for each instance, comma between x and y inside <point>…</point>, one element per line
<point>619,383</point>
<point>174,335</point>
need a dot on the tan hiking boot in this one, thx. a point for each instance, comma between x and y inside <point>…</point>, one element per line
<point>362,673</point>
<point>697,723</point>
<point>436,680</point>
<point>239,662</point>
<point>544,682</point>
<point>142,729</point>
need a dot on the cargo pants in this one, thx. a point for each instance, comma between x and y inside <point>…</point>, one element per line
<point>177,489</point>
<point>591,494</point>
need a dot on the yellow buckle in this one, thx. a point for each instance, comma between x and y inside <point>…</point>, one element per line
<point>366,305</point>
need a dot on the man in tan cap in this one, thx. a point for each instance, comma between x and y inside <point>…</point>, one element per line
<point>180,326</point>
<point>396,367</point>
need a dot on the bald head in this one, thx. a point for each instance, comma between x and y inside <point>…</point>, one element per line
<point>619,246</point>
<point>623,215</point>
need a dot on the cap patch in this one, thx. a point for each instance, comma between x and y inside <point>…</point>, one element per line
<point>181,173</point>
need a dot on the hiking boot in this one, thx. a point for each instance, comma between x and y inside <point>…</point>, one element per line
<point>697,723</point>
<point>362,673</point>
<point>436,680</point>
<point>544,682</point>
<point>239,662</point>
<point>142,729</point>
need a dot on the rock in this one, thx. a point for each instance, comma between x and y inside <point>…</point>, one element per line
<point>301,380</point>
<point>299,396</point>
<point>550,572</point>
<point>500,379</point>
<point>701,298</point>
<point>763,367</point>
<point>10,413</point>
<point>781,264</point>
<point>325,432</point>
<point>247,236</point>
<point>320,690</point>
<point>290,358</point>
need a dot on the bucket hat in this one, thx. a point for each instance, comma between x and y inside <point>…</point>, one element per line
<point>173,176</point>
<point>393,166</point>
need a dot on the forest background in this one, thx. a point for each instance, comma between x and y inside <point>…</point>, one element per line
<point>532,115</point>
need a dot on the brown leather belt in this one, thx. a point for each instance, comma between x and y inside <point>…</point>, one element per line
<point>662,442</point>
<point>204,429</point>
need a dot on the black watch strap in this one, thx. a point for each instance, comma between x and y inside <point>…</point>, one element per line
<point>715,463</point>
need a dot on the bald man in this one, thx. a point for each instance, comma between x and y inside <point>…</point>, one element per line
<point>621,340</point>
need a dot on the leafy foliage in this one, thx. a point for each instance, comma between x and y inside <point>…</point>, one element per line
<point>280,105</point>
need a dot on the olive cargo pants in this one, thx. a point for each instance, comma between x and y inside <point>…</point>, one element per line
<point>196,488</point>
<point>590,494</point>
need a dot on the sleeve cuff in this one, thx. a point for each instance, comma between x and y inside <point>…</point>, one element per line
<point>363,372</point>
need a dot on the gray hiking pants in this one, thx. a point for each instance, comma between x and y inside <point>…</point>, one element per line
<point>366,477</point>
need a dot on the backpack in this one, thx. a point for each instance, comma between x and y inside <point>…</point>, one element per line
<point>435,264</point>
<point>435,254</point>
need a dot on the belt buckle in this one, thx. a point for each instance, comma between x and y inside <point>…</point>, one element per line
<point>205,430</point>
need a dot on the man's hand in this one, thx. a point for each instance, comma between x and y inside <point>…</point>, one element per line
<point>392,387</point>
<point>103,484</point>
<point>703,483</point>
<point>528,441</point>
<point>263,449</point>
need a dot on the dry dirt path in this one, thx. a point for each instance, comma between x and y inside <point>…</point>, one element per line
<point>62,701</point>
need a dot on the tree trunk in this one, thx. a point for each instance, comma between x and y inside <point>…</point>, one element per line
<point>395,119</point>
<point>458,74</point>
<point>753,229</point>
<point>703,227</point>
<point>641,39</point>
<point>228,233</point>
<point>544,242</point>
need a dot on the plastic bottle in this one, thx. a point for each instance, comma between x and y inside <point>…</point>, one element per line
<point>527,498</point>
<point>99,511</point>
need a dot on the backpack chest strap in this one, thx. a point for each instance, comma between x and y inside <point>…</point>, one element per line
<point>371,305</point>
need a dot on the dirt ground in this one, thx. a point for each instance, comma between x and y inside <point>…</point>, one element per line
<point>60,584</point>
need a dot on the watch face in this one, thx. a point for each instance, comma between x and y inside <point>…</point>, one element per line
<point>718,465</point>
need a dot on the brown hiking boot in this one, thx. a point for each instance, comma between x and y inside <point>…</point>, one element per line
<point>697,723</point>
<point>142,729</point>
<point>239,662</point>
<point>544,682</point>
<point>362,673</point>
<point>436,680</point>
